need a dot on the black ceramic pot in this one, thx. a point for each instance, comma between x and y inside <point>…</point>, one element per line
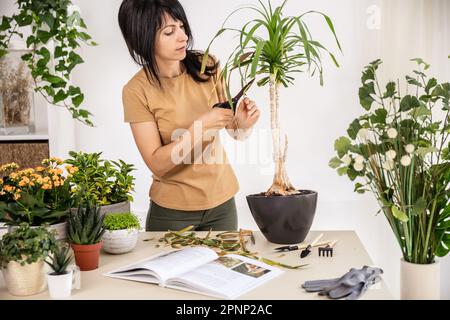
<point>284,219</point>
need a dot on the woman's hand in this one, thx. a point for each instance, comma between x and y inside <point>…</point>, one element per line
<point>216,119</point>
<point>247,114</point>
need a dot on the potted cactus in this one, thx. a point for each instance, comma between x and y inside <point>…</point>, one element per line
<point>85,234</point>
<point>60,279</point>
<point>121,235</point>
<point>273,48</point>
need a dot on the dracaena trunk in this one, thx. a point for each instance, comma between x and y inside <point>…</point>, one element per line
<point>281,184</point>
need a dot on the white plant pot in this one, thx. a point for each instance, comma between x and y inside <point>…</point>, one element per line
<point>61,229</point>
<point>419,281</point>
<point>24,280</point>
<point>60,286</point>
<point>120,241</point>
<point>111,208</point>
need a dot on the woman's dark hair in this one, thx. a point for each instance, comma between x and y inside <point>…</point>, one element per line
<point>140,20</point>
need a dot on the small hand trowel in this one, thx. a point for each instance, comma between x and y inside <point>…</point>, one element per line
<point>307,251</point>
<point>226,104</point>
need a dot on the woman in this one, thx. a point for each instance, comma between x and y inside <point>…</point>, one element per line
<point>168,104</point>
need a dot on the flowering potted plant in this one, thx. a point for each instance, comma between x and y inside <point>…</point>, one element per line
<point>275,47</point>
<point>36,196</point>
<point>121,235</point>
<point>107,183</point>
<point>22,255</point>
<point>399,150</point>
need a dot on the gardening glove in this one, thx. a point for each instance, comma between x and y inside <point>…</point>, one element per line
<point>351,285</point>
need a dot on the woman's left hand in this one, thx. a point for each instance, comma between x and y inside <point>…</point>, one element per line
<point>247,114</point>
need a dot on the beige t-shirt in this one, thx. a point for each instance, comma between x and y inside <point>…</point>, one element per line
<point>188,186</point>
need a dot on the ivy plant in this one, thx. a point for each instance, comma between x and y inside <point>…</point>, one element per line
<point>26,245</point>
<point>56,33</point>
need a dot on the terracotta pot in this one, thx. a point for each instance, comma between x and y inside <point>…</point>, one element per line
<point>87,256</point>
<point>284,219</point>
<point>419,281</point>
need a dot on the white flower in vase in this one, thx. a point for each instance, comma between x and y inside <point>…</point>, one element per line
<point>409,148</point>
<point>358,166</point>
<point>388,164</point>
<point>405,161</point>
<point>392,133</point>
<point>346,160</point>
<point>390,155</point>
<point>359,159</point>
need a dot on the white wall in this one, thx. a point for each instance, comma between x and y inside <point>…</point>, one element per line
<point>311,115</point>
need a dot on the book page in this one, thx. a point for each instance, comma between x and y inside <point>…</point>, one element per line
<point>228,277</point>
<point>166,265</point>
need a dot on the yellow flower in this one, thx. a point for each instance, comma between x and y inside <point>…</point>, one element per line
<point>2,193</point>
<point>54,178</point>
<point>1,181</point>
<point>9,166</point>
<point>17,196</point>
<point>8,188</point>
<point>46,186</point>
<point>13,175</point>
<point>22,183</point>
<point>57,184</point>
<point>40,169</point>
<point>28,171</point>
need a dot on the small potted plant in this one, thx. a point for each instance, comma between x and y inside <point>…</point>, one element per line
<point>85,234</point>
<point>35,195</point>
<point>107,183</point>
<point>22,255</point>
<point>121,233</point>
<point>60,279</point>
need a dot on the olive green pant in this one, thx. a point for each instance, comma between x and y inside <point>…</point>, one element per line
<point>220,218</point>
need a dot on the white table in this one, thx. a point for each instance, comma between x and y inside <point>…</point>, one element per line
<point>348,252</point>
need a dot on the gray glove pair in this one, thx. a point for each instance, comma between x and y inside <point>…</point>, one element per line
<point>350,286</point>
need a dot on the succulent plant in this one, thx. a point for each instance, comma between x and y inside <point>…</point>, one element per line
<point>86,225</point>
<point>60,259</point>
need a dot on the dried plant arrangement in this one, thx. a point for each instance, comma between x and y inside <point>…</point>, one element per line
<point>15,93</point>
<point>223,243</point>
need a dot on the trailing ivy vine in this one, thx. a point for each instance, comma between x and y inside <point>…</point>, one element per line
<point>56,33</point>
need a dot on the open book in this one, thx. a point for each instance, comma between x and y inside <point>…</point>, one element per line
<point>200,270</point>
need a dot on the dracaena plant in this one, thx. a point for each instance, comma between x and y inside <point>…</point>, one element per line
<point>273,48</point>
<point>399,150</point>
<point>51,21</point>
